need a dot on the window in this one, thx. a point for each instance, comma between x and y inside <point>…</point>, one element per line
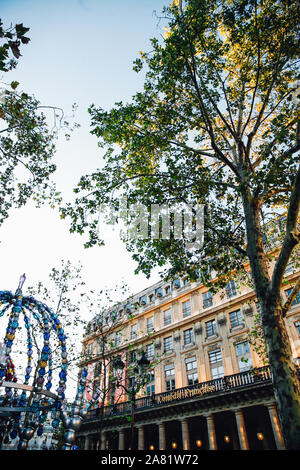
<point>150,324</point>
<point>216,364</point>
<point>192,379</point>
<point>207,299</point>
<point>168,343</point>
<point>186,308</point>
<point>150,388</point>
<point>297,298</point>
<point>297,325</point>
<point>134,331</point>
<point>118,338</point>
<point>211,328</point>
<point>169,370</point>
<point>167,317</point>
<point>90,349</point>
<point>167,290</point>
<point>170,385</point>
<point>191,363</point>
<point>235,318</point>
<point>282,223</point>
<point>289,268</point>
<point>151,297</point>
<point>258,307</point>
<point>96,384</point>
<point>98,368</point>
<point>231,289</point>
<point>131,382</point>
<point>188,336</point>
<point>150,350</point>
<point>151,376</point>
<point>132,356</point>
<point>186,281</point>
<point>243,355</point>
<point>143,300</point>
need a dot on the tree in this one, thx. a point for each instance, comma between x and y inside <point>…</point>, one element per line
<point>27,143</point>
<point>105,351</point>
<point>10,50</point>
<point>217,123</point>
<point>65,295</point>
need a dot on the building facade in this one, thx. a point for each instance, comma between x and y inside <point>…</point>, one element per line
<point>209,389</point>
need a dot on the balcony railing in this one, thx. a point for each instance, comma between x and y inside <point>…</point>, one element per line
<point>219,385</point>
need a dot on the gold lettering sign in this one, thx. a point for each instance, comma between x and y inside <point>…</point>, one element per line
<point>186,393</point>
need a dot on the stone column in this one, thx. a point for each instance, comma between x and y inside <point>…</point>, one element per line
<point>276,427</point>
<point>185,434</point>
<point>141,441</point>
<point>121,439</point>
<point>103,440</point>
<point>162,436</point>
<point>211,432</point>
<point>241,429</point>
<point>86,442</point>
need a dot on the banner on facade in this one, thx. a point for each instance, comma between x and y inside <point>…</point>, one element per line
<point>186,393</point>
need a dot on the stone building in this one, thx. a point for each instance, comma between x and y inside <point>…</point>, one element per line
<point>209,389</point>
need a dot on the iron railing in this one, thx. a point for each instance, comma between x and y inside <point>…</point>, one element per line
<point>218,385</point>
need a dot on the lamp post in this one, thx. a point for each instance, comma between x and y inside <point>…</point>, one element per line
<point>140,379</point>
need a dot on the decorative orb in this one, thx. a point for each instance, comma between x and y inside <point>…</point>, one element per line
<point>26,311</point>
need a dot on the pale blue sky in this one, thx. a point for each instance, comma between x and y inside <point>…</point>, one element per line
<point>80,51</point>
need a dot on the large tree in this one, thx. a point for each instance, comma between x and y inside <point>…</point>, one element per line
<point>28,132</point>
<point>217,123</point>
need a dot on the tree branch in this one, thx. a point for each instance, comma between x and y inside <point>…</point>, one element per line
<point>291,239</point>
<point>291,298</point>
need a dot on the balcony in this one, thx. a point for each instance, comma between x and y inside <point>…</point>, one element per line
<point>212,389</point>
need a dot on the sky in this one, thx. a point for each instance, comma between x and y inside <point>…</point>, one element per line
<point>80,51</point>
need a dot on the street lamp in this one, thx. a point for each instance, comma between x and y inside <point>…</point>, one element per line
<point>140,378</point>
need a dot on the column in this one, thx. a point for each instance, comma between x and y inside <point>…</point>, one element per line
<point>211,432</point>
<point>276,427</point>
<point>103,440</point>
<point>121,439</point>
<point>86,442</point>
<point>185,434</point>
<point>162,436</point>
<point>240,422</point>
<point>141,441</point>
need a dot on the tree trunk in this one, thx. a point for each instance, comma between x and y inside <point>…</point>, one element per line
<point>284,373</point>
